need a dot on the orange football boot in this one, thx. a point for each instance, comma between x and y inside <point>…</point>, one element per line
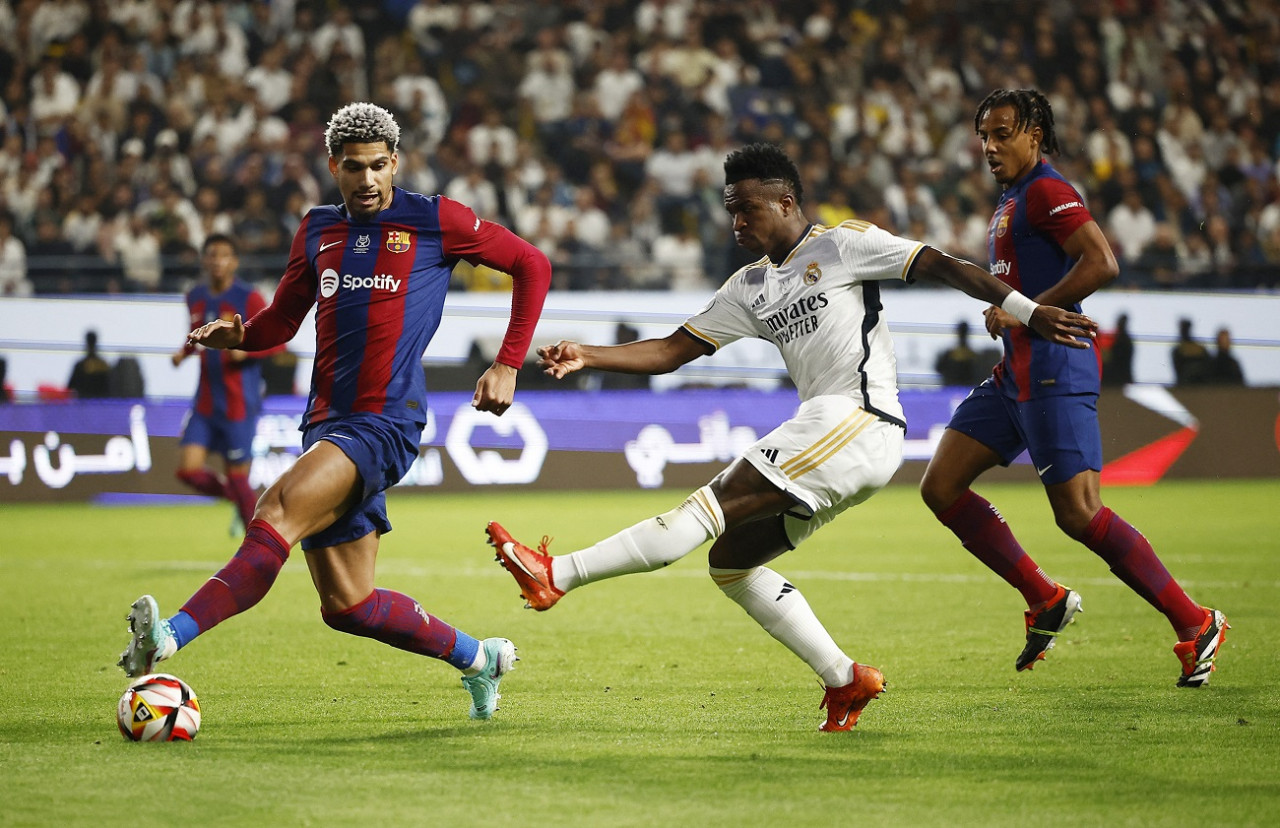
<point>844,704</point>
<point>531,568</point>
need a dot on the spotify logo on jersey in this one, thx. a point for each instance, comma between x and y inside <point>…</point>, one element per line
<point>328,283</point>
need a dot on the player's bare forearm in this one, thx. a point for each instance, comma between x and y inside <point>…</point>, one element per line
<point>219,334</point>
<point>1056,324</point>
<point>935,266</point>
<point>496,389</point>
<point>1095,267</point>
<point>648,356</point>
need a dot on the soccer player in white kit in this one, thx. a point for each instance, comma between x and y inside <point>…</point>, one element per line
<point>815,294</point>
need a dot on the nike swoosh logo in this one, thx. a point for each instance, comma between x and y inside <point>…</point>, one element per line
<point>343,436</point>
<point>509,548</point>
<point>1045,469</point>
<point>325,247</point>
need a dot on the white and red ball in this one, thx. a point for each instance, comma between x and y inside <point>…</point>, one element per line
<point>159,708</point>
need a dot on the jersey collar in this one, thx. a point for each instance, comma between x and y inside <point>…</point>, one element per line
<point>804,236</point>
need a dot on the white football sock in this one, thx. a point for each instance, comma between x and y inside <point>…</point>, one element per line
<point>478,663</point>
<point>650,544</point>
<point>784,613</point>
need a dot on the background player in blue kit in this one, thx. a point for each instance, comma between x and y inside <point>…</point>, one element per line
<point>228,399</point>
<point>1043,398</point>
<point>377,268</point>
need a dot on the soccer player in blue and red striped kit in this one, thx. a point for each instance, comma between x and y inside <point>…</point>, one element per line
<point>224,414</point>
<point>1043,398</point>
<point>376,268</point>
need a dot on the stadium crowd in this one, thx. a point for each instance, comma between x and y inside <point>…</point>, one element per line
<point>130,130</point>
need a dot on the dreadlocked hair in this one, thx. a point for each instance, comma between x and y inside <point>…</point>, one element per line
<point>764,162</point>
<point>361,123</point>
<point>1032,109</point>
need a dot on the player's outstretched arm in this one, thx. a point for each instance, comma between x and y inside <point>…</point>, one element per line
<point>219,334</point>
<point>648,356</point>
<point>1064,327</point>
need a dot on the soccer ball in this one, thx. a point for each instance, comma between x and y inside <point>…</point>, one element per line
<point>159,708</point>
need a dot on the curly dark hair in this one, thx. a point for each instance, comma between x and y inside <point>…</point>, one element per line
<point>1032,109</point>
<point>765,162</point>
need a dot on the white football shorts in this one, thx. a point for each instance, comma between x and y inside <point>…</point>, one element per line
<point>831,455</point>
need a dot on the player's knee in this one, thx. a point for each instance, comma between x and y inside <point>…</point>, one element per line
<point>339,620</point>
<point>733,582</point>
<point>1073,522</point>
<point>935,494</point>
<point>345,615</point>
<point>270,508</point>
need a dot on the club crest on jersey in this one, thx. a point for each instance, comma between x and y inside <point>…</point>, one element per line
<point>398,241</point>
<point>812,273</point>
<point>1002,226</point>
<point>362,243</point>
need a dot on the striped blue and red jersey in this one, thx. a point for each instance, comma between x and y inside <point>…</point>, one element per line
<point>1035,217</point>
<point>379,289</point>
<point>229,388</point>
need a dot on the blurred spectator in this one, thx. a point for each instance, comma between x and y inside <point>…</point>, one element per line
<point>51,257</point>
<point>616,83</point>
<point>673,167</point>
<point>1223,369</point>
<point>54,94</point>
<point>476,191</point>
<point>13,261</point>
<point>1190,358</point>
<point>270,81</point>
<point>547,91</point>
<point>1162,262</point>
<point>1131,226</point>
<point>542,221</point>
<point>338,30</point>
<point>492,141</point>
<point>1156,98</point>
<point>1117,355</point>
<point>589,225</point>
<point>960,365</point>
<point>91,375</point>
<point>137,249</point>
<point>678,256</point>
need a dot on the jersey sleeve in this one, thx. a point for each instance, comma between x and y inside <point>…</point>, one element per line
<point>276,324</point>
<point>464,235</point>
<point>1056,209</point>
<point>193,322</point>
<point>873,254</point>
<point>254,305</point>
<point>722,321</point>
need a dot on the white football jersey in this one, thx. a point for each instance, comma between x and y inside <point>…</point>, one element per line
<point>821,308</point>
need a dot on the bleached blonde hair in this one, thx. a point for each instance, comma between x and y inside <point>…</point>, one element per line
<point>361,123</point>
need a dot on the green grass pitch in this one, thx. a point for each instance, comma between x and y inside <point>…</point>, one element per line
<point>652,699</point>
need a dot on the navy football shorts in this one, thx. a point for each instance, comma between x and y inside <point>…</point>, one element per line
<point>1060,433</point>
<point>233,439</point>
<point>382,449</point>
